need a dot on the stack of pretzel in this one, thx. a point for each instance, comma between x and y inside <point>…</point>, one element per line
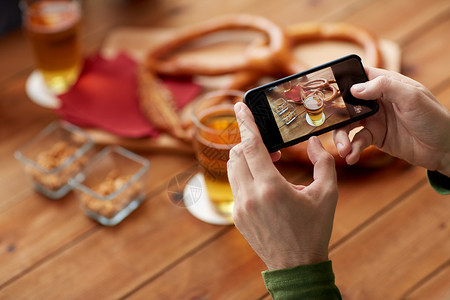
<point>271,56</point>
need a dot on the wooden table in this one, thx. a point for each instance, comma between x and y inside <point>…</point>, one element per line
<point>391,237</point>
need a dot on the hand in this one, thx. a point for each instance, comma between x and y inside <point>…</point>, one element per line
<point>410,124</point>
<point>287,225</point>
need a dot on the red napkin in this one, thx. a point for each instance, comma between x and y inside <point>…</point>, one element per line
<point>105,96</point>
<point>294,93</point>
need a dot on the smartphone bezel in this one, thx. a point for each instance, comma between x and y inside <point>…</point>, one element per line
<point>257,101</point>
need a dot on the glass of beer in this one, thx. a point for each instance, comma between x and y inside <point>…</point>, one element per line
<point>53,27</point>
<point>216,132</point>
<point>313,104</point>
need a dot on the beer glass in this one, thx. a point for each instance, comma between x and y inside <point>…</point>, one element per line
<point>53,28</point>
<point>216,132</point>
<point>313,104</point>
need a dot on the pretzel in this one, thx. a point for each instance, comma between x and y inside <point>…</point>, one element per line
<point>315,83</point>
<point>157,103</point>
<point>273,56</point>
<point>322,84</point>
<point>309,32</point>
<point>256,58</point>
<point>334,92</point>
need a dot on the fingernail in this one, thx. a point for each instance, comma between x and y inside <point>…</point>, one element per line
<point>237,107</point>
<point>359,87</point>
<point>339,147</point>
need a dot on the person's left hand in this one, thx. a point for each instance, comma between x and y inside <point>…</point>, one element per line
<point>287,225</point>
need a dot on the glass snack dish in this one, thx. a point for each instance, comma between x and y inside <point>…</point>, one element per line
<point>112,185</point>
<point>53,156</point>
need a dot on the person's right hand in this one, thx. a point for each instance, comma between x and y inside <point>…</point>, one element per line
<point>410,124</point>
<point>287,225</point>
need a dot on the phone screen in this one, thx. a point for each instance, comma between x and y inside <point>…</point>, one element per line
<point>313,102</point>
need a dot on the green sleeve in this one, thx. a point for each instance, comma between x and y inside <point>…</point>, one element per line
<point>315,281</point>
<point>439,182</point>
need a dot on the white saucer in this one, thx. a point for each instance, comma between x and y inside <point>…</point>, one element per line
<point>197,202</point>
<point>38,92</point>
<point>308,119</point>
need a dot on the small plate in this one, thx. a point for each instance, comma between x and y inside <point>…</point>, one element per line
<point>197,202</point>
<point>39,93</point>
<point>308,119</point>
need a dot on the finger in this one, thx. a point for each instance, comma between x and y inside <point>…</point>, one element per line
<point>385,88</point>
<point>275,156</point>
<point>239,174</point>
<point>342,140</point>
<point>254,150</point>
<point>324,167</point>
<point>342,137</point>
<point>372,73</point>
<point>361,141</point>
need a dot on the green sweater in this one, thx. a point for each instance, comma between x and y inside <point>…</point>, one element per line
<point>316,281</point>
<point>440,183</point>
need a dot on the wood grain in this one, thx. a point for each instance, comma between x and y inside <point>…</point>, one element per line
<point>357,205</point>
<point>396,251</point>
<point>427,54</point>
<point>391,231</point>
<point>401,21</point>
<point>198,276</point>
<point>112,261</point>
<point>35,227</point>
<point>435,286</point>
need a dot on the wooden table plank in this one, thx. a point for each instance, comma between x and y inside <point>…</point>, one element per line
<point>267,297</point>
<point>444,96</point>
<point>46,225</point>
<point>49,246</point>
<point>381,189</point>
<point>286,12</point>
<point>17,113</point>
<point>112,261</point>
<point>436,287</point>
<point>399,20</point>
<point>426,58</point>
<point>17,125</point>
<point>159,219</point>
<point>211,282</point>
<point>13,45</point>
<point>198,277</point>
<point>387,258</point>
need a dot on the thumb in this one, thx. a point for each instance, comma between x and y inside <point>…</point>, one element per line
<point>324,167</point>
<point>385,88</point>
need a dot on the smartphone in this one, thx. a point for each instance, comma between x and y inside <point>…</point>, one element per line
<point>292,109</point>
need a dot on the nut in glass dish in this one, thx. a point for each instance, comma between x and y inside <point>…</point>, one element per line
<point>112,185</point>
<point>53,156</point>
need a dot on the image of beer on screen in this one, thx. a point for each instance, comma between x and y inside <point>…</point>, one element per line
<point>307,104</point>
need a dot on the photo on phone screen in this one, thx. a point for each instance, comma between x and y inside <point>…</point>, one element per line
<point>313,102</point>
